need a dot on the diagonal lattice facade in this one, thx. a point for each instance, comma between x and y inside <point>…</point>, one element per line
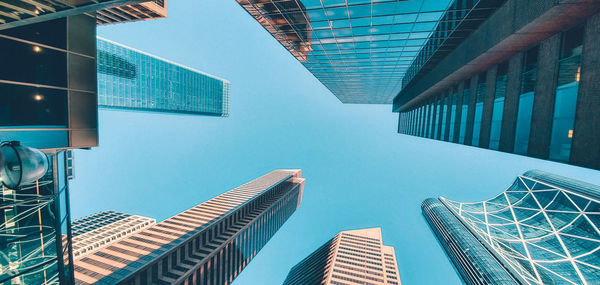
<point>544,229</point>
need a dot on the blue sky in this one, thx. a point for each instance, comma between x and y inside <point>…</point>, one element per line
<point>359,171</point>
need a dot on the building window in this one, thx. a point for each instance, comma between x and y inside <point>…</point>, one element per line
<point>566,94</point>
<point>444,106</point>
<point>480,95</point>
<point>525,111</point>
<point>436,121</point>
<point>465,111</point>
<point>453,102</point>
<point>498,110</point>
<point>431,120</point>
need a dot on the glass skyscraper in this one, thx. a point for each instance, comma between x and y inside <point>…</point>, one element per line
<point>544,229</point>
<point>208,244</point>
<point>102,229</point>
<point>351,257</point>
<point>132,79</point>
<point>360,50</point>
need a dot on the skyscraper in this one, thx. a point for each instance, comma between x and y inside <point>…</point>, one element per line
<point>360,50</point>
<point>132,79</point>
<point>544,229</point>
<point>208,244</point>
<point>102,229</point>
<point>357,257</point>
<point>496,77</point>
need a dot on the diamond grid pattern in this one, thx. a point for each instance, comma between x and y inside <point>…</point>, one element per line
<point>545,233</point>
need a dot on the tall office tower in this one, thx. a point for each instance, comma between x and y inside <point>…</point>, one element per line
<point>102,229</point>
<point>360,50</point>
<point>132,79</point>
<point>496,77</point>
<point>544,229</point>
<point>208,244</point>
<point>356,257</point>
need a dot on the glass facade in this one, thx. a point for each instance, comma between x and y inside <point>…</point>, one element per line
<point>45,86</point>
<point>473,262</point>
<point>360,50</point>
<point>569,71</point>
<point>525,111</point>
<point>481,88</point>
<point>210,243</point>
<point>35,231</point>
<point>498,108</point>
<point>543,229</point>
<point>131,79</point>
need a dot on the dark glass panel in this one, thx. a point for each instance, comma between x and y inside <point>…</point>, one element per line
<point>31,106</point>
<point>52,33</point>
<point>566,94</point>
<point>32,64</point>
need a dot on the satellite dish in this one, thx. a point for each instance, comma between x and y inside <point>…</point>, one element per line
<point>21,165</point>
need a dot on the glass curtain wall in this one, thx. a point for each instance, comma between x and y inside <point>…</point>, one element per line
<point>465,111</point>
<point>525,111</point>
<point>566,94</point>
<point>453,102</point>
<point>481,86</point>
<point>498,110</point>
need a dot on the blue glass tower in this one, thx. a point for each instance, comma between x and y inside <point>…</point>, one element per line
<point>132,79</point>
<point>544,229</point>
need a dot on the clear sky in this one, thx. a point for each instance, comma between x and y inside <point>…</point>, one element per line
<point>359,172</point>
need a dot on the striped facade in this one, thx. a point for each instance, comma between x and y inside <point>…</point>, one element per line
<point>351,257</point>
<point>208,244</point>
<point>102,229</point>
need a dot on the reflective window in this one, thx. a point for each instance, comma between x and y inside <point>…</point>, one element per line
<point>431,120</point>
<point>465,111</point>
<point>32,64</point>
<point>566,94</point>
<point>453,103</point>
<point>438,113</point>
<point>481,86</point>
<point>498,109</point>
<point>444,116</point>
<point>30,106</point>
<point>524,113</point>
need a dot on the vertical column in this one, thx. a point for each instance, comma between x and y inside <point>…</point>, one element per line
<point>543,102</point>
<point>488,107</point>
<point>585,149</point>
<point>471,112</point>
<point>449,101</point>
<point>457,122</point>
<point>511,103</point>
<point>433,119</point>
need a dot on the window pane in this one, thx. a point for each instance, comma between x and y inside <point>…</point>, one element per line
<point>566,94</point>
